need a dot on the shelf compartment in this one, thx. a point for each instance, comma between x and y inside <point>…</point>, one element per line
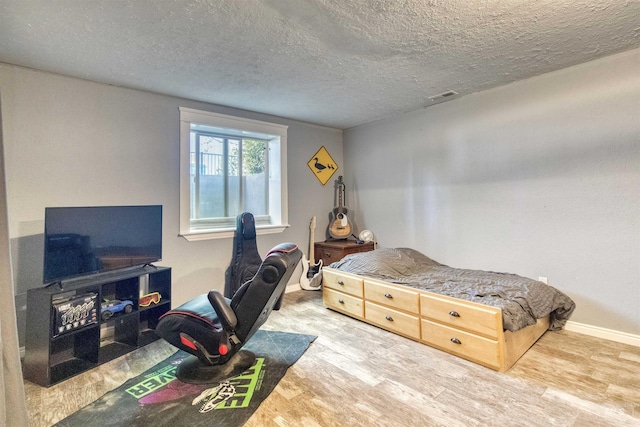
<point>69,368</point>
<point>121,328</point>
<point>73,353</point>
<point>150,316</point>
<point>147,336</point>
<point>112,350</point>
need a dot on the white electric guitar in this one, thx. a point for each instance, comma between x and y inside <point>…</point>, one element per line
<point>311,278</point>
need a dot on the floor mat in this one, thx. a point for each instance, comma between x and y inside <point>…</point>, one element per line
<point>157,398</point>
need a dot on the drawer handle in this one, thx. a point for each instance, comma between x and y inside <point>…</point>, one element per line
<point>454,314</point>
<point>341,301</point>
<point>456,341</point>
<point>340,282</point>
<point>388,296</point>
<point>389,318</point>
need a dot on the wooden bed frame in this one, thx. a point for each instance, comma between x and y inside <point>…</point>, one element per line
<point>466,329</point>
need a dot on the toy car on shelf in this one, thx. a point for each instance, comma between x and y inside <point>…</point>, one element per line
<point>111,307</point>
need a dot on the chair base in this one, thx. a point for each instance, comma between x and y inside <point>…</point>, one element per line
<point>194,371</point>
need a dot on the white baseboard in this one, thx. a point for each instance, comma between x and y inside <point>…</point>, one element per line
<point>608,334</point>
<point>296,287</point>
<point>292,288</point>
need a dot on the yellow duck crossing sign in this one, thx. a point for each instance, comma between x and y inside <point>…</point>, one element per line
<point>322,165</point>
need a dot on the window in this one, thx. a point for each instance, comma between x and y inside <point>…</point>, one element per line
<point>230,165</point>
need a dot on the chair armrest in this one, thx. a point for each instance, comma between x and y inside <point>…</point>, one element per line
<point>225,313</point>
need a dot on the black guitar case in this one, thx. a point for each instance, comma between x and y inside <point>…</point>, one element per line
<point>245,260</point>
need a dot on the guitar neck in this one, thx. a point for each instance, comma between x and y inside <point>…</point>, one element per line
<point>340,190</point>
<point>312,245</point>
<point>312,228</point>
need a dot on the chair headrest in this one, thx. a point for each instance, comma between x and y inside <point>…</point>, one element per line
<point>283,248</point>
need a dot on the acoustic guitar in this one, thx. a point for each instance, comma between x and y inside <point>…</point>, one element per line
<point>311,279</point>
<point>340,224</point>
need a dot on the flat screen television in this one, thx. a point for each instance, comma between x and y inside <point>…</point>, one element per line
<point>86,240</point>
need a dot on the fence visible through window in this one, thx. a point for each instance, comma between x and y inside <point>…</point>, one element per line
<point>210,164</point>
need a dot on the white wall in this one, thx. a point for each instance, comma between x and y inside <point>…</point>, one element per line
<point>70,142</point>
<point>538,178</point>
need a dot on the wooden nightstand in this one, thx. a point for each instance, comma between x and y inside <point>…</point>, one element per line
<point>334,250</point>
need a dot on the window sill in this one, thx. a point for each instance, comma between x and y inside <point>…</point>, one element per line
<point>223,233</point>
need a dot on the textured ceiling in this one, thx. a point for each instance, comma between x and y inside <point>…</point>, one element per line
<point>332,62</point>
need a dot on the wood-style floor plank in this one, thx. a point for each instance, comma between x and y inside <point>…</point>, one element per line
<point>356,374</point>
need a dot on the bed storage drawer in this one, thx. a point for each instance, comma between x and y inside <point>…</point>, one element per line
<point>342,282</point>
<point>466,329</point>
<point>392,296</point>
<point>467,315</point>
<point>344,303</point>
<point>479,349</point>
<point>392,320</point>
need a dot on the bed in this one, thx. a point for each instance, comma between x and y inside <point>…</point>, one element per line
<point>486,317</point>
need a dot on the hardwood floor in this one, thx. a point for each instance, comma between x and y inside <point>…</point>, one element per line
<point>355,374</point>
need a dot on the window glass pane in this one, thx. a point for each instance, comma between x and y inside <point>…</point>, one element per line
<point>233,182</point>
<point>208,182</point>
<point>192,172</point>
<point>211,155</point>
<point>254,194</point>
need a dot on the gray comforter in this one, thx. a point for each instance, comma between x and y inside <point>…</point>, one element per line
<point>522,300</point>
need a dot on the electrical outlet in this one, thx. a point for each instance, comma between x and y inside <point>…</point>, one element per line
<point>543,280</point>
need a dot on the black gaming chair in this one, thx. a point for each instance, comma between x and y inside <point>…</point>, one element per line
<point>213,328</point>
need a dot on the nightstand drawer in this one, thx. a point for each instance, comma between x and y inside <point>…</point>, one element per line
<point>334,250</point>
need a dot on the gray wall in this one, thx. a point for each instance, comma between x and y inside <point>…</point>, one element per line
<point>73,142</point>
<point>538,178</point>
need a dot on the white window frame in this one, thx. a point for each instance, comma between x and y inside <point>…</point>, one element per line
<point>278,194</point>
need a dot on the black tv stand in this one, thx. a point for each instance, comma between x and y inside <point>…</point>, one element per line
<point>53,353</point>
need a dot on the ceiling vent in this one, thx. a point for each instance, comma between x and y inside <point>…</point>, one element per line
<point>444,96</point>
